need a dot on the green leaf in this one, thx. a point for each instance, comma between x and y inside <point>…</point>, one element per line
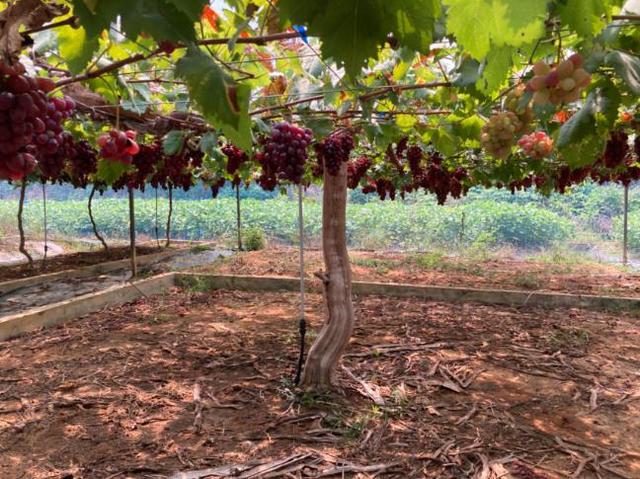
<point>75,47</point>
<point>351,31</point>
<point>109,171</point>
<point>162,19</point>
<point>173,142</point>
<point>599,110</point>
<point>627,67</point>
<point>477,24</point>
<point>583,152</point>
<point>406,122</point>
<point>208,142</point>
<point>192,8</point>
<point>584,16</point>
<point>222,101</point>
<point>495,69</point>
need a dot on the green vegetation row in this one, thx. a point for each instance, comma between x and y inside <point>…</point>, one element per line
<point>371,225</point>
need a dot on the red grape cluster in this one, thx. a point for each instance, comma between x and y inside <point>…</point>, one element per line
<point>177,170</point>
<point>562,84</point>
<point>145,164</point>
<point>284,155</point>
<point>235,157</point>
<point>215,187</point>
<point>119,146</point>
<point>356,170</point>
<point>616,149</point>
<point>441,181</point>
<point>83,163</point>
<point>335,150</point>
<point>414,158</point>
<point>30,121</point>
<point>51,165</point>
<point>537,145</point>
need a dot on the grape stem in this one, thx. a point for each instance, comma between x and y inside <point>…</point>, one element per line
<point>21,247</point>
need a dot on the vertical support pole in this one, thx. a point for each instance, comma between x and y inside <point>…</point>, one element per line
<point>44,218</point>
<point>239,225</point>
<point>625,227</point>
<point>302,325</point>
<point>132,234</point>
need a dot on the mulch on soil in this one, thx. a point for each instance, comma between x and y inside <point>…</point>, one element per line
<point>193,381</point>
<point>72,261</point>
<point>595,279</point>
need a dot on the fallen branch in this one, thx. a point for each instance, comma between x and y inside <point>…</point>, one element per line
<point>368,389</point>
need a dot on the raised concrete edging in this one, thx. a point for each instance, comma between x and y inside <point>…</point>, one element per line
<point>99,268</point>
<point>513,298</point>
<point>14,325</point>
<point>44,316</point>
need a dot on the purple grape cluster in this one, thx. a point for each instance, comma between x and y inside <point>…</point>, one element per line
<point>335,150</point>
<point>284,155</point>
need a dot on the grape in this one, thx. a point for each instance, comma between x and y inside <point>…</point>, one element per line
<point>356,170</point>
<point>414,157</point>
<point>536,145</point>
<point>34,122</point>
<point>117,145</point>
<point>335,150</point>
<point>499,133</point>
<point>176,170</point>
<point>82,164</point>
<point>616,149</point>
<point>562,84</point>
<point>284,155</point>
<point>235,157</point>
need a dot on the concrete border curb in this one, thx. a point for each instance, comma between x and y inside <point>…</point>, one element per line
<point>52,314</point>
<point>99,268</point>
<point>513,298</point>
<point>49,315</point>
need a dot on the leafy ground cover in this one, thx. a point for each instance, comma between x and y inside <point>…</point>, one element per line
<point>194,380</point>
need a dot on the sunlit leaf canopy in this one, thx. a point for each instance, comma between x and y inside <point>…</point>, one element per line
<point>430,70</point>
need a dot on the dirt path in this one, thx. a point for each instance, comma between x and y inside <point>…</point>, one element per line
<point>435,269</point>
<point>190,381</point>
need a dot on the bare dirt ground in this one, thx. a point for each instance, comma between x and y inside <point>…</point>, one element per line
<point>196,380</point>
<point>66,261</point>
<point>425,269</point>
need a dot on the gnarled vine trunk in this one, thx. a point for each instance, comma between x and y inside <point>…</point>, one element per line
<point>22,246</point>
<point>327,350</point>
<point>93,221</point>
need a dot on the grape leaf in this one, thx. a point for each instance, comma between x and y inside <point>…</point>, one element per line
<point>495,68</point>
<point>208,142</point>
<point>173,142</point>
<point>352,31</point>
<point>109,171</point>
<point>223,101</point>
<point>583,152</point>
<point>627,67</point>
<point>75,47</point>
<point>599,110</point>
<point>162,19</point>
<point>192,8</point>
<point>477,24</point>
<point>584,16</point>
